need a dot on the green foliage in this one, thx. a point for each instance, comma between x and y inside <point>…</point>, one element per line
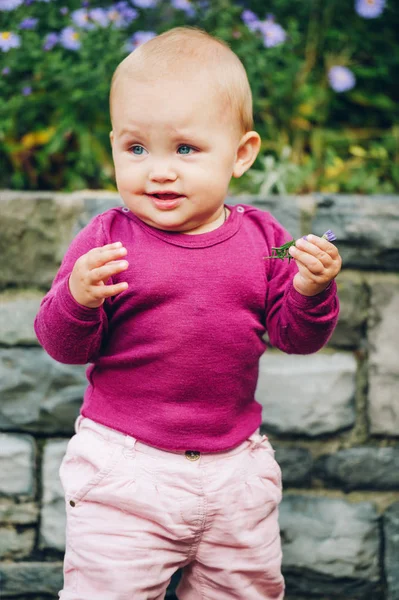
<point>313,138</point>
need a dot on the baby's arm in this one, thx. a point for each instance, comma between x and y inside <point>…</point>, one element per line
<point>302,304</point>
<point>71,323</point>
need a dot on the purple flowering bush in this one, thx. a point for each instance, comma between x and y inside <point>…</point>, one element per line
<point>323,76</point>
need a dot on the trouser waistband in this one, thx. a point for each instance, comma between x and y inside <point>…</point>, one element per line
<point>130,442</point>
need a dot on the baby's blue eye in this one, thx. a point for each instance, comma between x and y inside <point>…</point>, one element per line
<point>137,150</point>
<point>184,149</point>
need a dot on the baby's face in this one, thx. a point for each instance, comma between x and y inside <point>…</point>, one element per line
<point>174,147</point>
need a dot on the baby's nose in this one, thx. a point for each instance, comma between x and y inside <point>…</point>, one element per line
<point>162,171</point>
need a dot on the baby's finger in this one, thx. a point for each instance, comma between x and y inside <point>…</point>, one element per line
<point>309,254</point>
<point>325,254</point>
<point>100,256</point>
<point>306,260</point>
<point>319,242</point>
<point>104,272</point>
<point>106,291</point>
<point>312,244</point>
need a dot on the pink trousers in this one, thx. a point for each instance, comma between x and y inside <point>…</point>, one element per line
<point>136,514</point>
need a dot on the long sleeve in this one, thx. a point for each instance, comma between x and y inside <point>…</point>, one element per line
<point>297,324</point>
<point>69,332</point>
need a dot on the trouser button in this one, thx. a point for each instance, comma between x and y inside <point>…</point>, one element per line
<point>192,454</point>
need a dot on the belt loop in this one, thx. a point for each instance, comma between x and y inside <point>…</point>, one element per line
<point>129,444</point>
<point>78,422</point>
<point>130,441</point>
<point>257,439</point>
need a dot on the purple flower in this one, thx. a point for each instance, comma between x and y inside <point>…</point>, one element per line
<point>329,235</point>
<point>6,71</point>
<point>145,3</point>
<point>70,39</point>
<point>81,18</point>
<point>138,38</point>
<point>64,10</point>
<point>115,17</point>
<point>251,20</point>
<point>28,23</point>
<point>249,17</point>
<point>99,16</point>
<point>26,90</point>
<point>185,6</point>
<point>121,14</point>
<point>341,79</point>
<point>273,33</point>
<point>10,4</point>
<point>369,9</point>
<point>127,13</point>
<point>50,41</point>
<point>9,40</point>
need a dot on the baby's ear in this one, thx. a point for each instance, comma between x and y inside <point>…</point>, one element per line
<point>111,137</point>
<point>247,152</point>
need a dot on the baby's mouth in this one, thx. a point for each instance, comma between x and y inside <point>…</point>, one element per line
<point>166,200</point>
<point>167,196</point>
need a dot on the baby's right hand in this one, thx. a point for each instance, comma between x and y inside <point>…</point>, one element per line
<point>87,282</point>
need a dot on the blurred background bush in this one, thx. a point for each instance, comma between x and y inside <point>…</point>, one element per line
<point>323,74</point>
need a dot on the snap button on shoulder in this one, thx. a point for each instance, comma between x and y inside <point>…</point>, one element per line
<point>192,454</point>
<point>125,209</point>
<point>240,209</point>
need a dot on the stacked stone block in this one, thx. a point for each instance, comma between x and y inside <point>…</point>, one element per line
<point>333,417</point>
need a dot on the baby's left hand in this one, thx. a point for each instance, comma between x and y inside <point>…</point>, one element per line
<point>318,262</point>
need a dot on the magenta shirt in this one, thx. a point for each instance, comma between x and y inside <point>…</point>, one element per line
<point>174,358</point>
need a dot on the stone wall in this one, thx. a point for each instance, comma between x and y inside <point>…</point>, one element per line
<point>332,416</point>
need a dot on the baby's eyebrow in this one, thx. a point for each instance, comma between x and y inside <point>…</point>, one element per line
<point>126,132</point>
<point>177,135</point>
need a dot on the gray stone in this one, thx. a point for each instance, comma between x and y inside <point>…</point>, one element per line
<point>353,297</point>
<point>17,463</point>
<point>383,336</point>
<point>16,544</point>
<point>391,532</point>
<point>29,578</point>
<point>52,529</point>
<point>330,547</point>
<point>43,224</point>
<point>17,314</point>
<point>37,393</point>
<point>95,203</point>
<point>367,228</point>
<point>383,407</point>
<point>309,395</point>
<point>296,465</point>
<point>383,324</point>
<point>361,468</point>
<point>288,213</point>
<point>25,513</point>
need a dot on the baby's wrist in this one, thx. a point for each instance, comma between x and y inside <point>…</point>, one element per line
<point>310,289</point>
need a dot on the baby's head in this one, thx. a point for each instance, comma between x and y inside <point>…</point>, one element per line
<point>181,112</point>
<point>185,53</point>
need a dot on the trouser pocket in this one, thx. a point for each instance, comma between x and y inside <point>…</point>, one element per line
<point>89,460</point>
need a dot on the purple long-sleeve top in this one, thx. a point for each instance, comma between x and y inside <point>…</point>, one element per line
<point>174,358</point>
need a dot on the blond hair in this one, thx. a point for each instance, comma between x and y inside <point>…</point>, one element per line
<point>183,52</point>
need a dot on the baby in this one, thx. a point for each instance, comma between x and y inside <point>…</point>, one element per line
<point>168,299</point>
